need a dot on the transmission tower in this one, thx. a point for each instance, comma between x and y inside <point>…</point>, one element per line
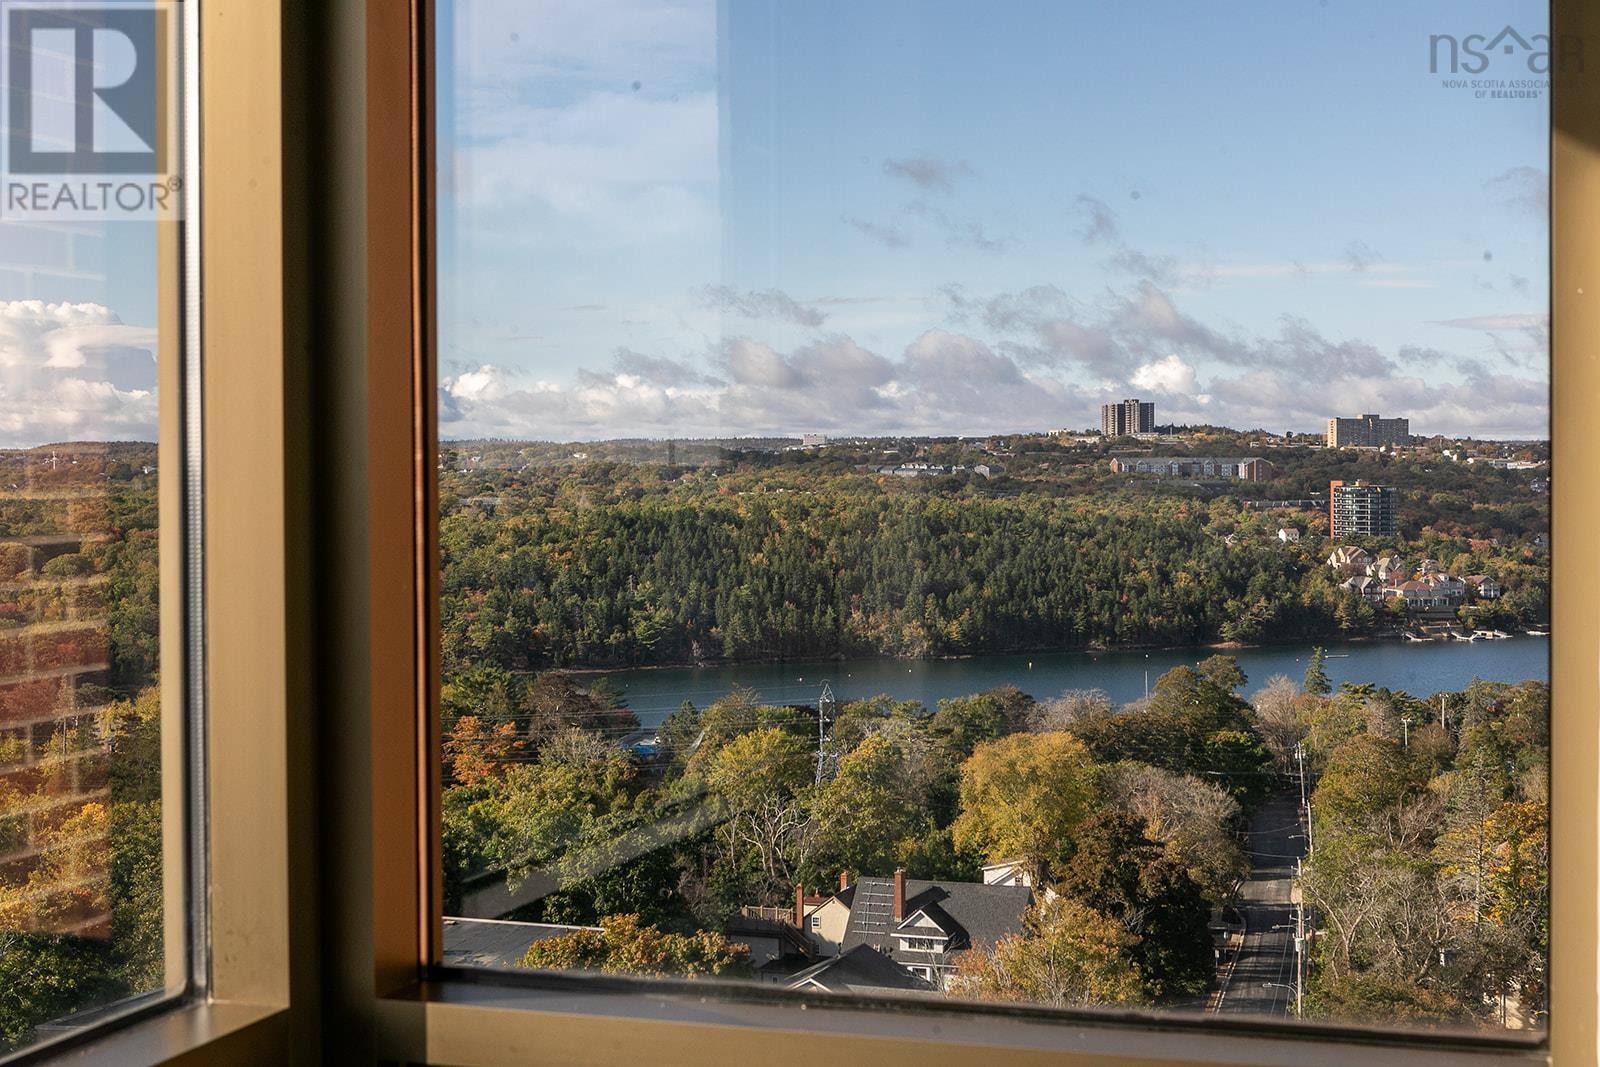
<point>827,758</point>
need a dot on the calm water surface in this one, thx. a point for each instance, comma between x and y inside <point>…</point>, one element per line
<point>1418,668</point>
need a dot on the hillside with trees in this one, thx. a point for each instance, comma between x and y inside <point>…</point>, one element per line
<point>627,560</point>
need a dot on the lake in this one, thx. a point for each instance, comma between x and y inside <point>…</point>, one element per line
<point>1419,668</point>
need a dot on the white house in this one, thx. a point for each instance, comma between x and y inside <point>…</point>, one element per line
<point>1388,568</point>
<point>1007,872</point>
<point>1350,560</point>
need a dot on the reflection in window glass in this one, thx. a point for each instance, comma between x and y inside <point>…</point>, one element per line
<point>932,508</point>
<point>83,281</point>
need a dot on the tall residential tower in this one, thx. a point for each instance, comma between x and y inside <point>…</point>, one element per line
<point>1357,509</point>
<point>1127,417</point>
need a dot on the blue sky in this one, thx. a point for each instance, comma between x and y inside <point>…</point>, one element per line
<point>688,218</point>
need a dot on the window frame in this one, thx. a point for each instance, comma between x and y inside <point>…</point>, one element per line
<point>181,607</point>
<point>324,928</point>
<point>1573,772</point>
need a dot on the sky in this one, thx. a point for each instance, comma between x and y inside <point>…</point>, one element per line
<point>686,218</point>
<point>683,218</point>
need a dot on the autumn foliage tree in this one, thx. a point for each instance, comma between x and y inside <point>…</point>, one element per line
<point>1023,797</point>
<point>1070,957</point>
<point>624,945</point>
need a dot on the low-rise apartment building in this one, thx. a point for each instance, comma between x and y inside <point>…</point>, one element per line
<point>1242,470</point>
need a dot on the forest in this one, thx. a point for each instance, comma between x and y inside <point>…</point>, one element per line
<point>627,560</point>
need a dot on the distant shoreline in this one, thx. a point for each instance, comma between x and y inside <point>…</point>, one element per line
<point>1089,650</point>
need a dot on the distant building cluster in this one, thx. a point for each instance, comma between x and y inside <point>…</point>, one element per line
<point>1243,470</point>
<point>933,470</point>
<point>1368,431</point>
<point>1357,509</point>
<point>1127,418</point>
<point>1309,503</point>
<point>1424,587</point>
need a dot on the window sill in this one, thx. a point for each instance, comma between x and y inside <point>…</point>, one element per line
<point>489,1022</point>
<point>195,1033</point>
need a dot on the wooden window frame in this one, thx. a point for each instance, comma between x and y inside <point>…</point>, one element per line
<point>321,622</point>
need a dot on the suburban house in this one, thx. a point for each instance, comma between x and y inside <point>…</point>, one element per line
<point>1483,586</point>
<point>861,969</point>
<point>1288,534</point>
<point>1367,588</point>
<point>1424,596</point>
<point>1388,568</point>
<point>1350,560</point>
<point>828,922</point>
<point>921,925</point>
<point>1007,872</point>
<point>1448,586</point>
<point>776,937</point>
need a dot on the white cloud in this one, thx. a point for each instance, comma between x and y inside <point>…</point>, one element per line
<point>1171,375</point>
<point>74,372</point>
<point>942,383</point>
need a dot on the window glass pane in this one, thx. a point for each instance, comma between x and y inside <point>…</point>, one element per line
<point>1019,501</point>
<point>89,276</point>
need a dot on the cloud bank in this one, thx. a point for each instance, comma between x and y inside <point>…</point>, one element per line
<point>1033,359</point>
<point>74,372</point>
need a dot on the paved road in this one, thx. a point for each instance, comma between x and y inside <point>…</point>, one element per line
<point>1263,979</point>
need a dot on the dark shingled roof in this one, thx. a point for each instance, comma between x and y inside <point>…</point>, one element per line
<point>970,913</point>
<point>495,942</point>
<point>858,968</point>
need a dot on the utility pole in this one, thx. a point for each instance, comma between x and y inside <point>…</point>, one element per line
<point>1299,956</point>
<point>1442,724</point>
<point>1405,726</point>
<point>1305,799</point>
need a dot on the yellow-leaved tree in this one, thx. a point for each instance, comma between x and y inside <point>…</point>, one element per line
<point>1023,796</point>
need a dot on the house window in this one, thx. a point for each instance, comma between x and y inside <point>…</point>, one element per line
<point>786,388</point>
